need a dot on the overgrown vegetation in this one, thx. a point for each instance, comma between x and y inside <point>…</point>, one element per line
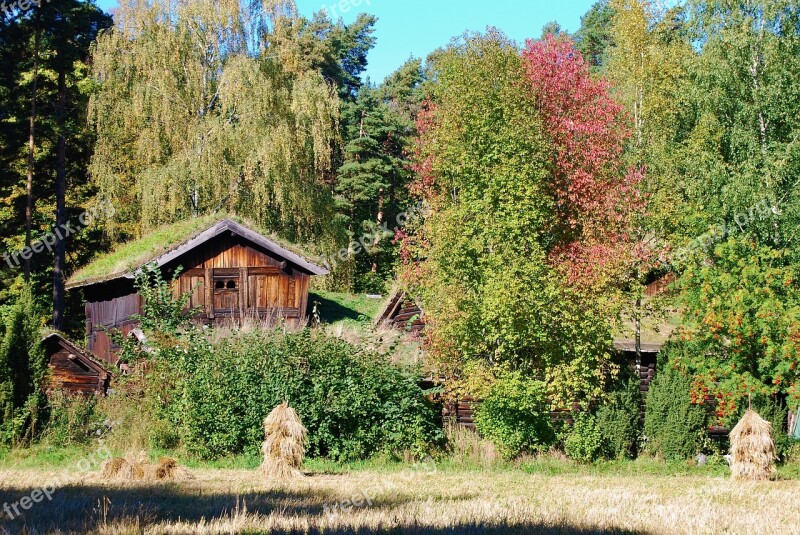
<point>675,423</point>
<point>22,372</point>
<point>212,396</point>
<point>515,415</point>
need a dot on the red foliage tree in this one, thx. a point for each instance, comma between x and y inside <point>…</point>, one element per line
<point>597,198</point>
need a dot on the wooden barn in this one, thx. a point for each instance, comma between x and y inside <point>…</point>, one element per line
<point>230,270</point>
<point>71,370</point>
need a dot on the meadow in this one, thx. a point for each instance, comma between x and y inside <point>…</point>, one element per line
<point>451,495</point>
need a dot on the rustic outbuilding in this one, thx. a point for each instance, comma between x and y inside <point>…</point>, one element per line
<point>71,370</point>
<point>401,312</point>
<point>231,271</point>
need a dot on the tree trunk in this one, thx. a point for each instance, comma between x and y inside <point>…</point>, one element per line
<point>61,208</point>
<point>31,147</point>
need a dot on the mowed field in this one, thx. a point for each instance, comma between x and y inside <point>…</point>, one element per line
<point>429,499</point>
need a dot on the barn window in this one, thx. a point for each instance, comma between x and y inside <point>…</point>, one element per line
<point>225,284</point>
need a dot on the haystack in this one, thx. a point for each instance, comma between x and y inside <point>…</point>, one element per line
<point>752,448</point>
<point>284,447</point>
<point>137,468</point>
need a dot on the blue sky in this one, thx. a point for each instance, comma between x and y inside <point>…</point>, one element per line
<point>417,27</point>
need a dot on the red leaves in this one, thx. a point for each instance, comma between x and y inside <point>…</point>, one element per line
<point>595,194</point>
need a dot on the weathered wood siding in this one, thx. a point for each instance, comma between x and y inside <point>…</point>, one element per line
<point>73,372</point>
<point>102,317</point>
<point>230,279</point>
<point>227,279</point>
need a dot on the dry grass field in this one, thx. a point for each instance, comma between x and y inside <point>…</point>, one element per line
<point>428,500</point>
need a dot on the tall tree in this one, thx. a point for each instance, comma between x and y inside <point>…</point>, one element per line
<point>593,38</point>
<point>62,141</point>
<point>190,121</point>
<point>379,128</point>
<point>739,161</point>
<point>37,31</point>
<point>507,163</point>
<point>71,27</point>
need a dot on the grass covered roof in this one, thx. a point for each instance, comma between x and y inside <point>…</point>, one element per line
<point>130,256</point>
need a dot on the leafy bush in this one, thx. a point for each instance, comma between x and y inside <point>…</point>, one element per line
<point>354,402</point>
<point>612,432</point>
<point>673,425</point>
<point>161,309</point>
<point>584,442</point>
<point>515,416</point>
<point>619,421</point>
<point>72,420</point>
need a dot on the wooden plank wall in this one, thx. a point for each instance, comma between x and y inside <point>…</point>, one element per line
<point>408,312</point>
<point>70,375</point>
<point>255,284</point>
<point>106,316</point>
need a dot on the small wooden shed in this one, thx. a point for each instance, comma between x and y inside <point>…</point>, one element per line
<point>71,370</point>
<point>402,313</point>
<point>231,271</point>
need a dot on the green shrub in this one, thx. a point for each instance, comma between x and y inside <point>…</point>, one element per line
<point>619,421</point>
<point>22,371</point>
<point>354,402</point>
<point>584,442</point>
<point>674,426</point>
<point>515,416</point>
<point>73,419</point>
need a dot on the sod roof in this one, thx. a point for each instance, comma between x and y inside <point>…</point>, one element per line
<point>167,242</point>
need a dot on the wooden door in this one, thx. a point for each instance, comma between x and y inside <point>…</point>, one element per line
<point>226,291</point>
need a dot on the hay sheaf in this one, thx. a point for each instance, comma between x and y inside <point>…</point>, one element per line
<point>752,448</point>
<point>284,444</point>
<point>138,468</point>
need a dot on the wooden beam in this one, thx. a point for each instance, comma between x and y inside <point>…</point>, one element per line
<point>209,283</point>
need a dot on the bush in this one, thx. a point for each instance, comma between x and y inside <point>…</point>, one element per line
<point>73,419</point>
<point>674,426</point>
<point>613,432</point>
<point>515,416</point>
<point>584,442</point>
<point>619,421</point>
<point>22,371</point>
<point>355,403</point>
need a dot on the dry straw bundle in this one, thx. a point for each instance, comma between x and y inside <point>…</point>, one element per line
<point>284,447</point>
<point>752,448</point>
<point>137,468</point>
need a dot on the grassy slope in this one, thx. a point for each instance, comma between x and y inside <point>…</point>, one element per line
<point>345,309</point>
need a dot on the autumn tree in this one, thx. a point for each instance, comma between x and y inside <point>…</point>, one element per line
<point>524,185</point>
<point>738,162</point>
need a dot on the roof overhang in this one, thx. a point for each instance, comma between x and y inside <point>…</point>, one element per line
<point>224,226</point>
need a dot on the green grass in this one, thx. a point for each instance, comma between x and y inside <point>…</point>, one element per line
<point>43,458</point>
<point>345,309</point>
